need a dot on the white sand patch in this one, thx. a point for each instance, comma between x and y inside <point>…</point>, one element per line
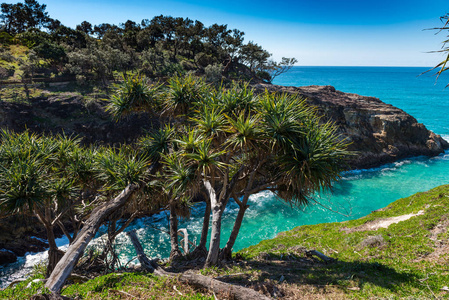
<point>384,223</point>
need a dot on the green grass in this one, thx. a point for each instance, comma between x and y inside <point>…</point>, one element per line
<point>411,261</point>
<point>141,286</point>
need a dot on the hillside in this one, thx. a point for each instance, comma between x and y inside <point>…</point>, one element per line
<point>396,252</point>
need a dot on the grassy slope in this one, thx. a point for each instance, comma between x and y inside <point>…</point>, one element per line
<point>407,259</point>
<point>410,261</point>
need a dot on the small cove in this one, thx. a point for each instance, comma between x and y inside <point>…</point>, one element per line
<point>359,193</point>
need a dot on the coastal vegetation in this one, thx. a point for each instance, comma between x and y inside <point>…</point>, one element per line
<point>158,47</point>
<point>396,252</point>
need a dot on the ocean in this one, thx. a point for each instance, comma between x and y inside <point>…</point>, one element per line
<point>356,195</point>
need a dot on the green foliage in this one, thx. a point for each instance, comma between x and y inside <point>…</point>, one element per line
<point>183,94</point>
<point>5,38</point>
<point>139,285</point>
<point>120,167</point>
<point>134,94</point>
<point>33,37</point>
<point>17,18</point>
<point>160,47</point>
<point>51,51</point>
<point>157,143</point>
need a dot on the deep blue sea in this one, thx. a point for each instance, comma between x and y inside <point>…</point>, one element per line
<point>359,193</point>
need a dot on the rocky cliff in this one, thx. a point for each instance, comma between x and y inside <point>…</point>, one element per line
<point>379,133</point>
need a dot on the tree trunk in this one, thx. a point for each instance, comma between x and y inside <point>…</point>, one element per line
<point>227,250</point>
<point>205,229</point>
<point>65,266</point>
<point>214,248</point>
<point>222,288</point>
<point>143,259</point>
<point>201,249</point>
<point>174,252</point>
<point>54,254</point>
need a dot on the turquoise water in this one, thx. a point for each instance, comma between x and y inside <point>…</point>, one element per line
<point>359,193</point>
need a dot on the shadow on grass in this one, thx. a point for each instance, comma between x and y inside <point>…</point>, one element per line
<point>293,269</point>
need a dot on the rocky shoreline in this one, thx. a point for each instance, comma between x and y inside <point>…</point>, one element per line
<point>379,133</point>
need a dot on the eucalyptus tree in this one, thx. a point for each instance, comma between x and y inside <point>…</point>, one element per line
<point>19,17</point>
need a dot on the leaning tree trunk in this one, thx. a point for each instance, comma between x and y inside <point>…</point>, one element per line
<point>227,250</point>
<point>65,266</point>
<point>174,252</point>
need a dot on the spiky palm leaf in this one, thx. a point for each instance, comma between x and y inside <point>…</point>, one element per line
<point>180,176</point>
<point>23,185</point>
<point>157,142</point>
<point>245,132</point>
<point>183,95</point>
<point>189,141</point>
<point>311,163</point>
<point>211,122</point>
<point>134,94</point>
<point>206,158</point>
<point>237,99</point>
<point>118,169</point>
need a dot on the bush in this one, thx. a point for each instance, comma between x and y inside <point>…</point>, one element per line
<point>81,80</point>
<point>213,73</point>
<point>3,73</point>
<point>7,56</point>
<point>50,51</point>
<point>5,38</point>
<point>204,60</point>
<point>264,75</point>
<point>187,65</point>
<point>172,69</point>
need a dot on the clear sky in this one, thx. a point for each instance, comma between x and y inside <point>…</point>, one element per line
<point>316,32</point>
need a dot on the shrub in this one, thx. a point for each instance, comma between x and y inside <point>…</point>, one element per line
<point>213,73</point>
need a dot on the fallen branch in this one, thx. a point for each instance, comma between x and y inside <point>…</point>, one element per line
<point>15,282</point>
<point>320,255</point>
<point>235,291</point>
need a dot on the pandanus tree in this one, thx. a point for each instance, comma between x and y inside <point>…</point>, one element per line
<point>253,143</point>
<point>43,177</point>
<point>173,105</point>
<point>233,143</point>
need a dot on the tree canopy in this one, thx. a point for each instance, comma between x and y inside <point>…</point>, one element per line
<point>158,47</point>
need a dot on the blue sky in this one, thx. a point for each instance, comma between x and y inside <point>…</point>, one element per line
<point>332,33</point>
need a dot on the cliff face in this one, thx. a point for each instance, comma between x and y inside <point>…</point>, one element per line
<point>380,133</point>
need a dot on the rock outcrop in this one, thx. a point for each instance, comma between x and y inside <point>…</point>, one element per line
<point>379,133</point>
